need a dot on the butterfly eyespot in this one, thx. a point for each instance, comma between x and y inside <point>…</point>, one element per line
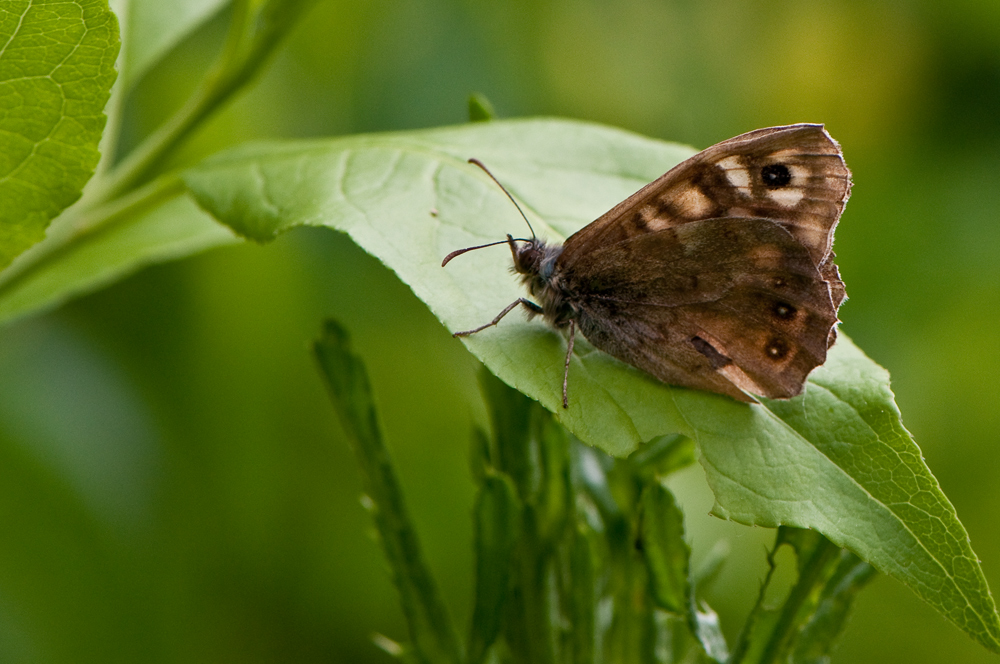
<point>784,311</point>
<point>779,282</point>
<point>775,175</point>
<point>776,349</point>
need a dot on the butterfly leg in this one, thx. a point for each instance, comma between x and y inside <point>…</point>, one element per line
<point>510,307</point>
<point>569,356</point>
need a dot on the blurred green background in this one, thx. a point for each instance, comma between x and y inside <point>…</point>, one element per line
<point>175,486</point>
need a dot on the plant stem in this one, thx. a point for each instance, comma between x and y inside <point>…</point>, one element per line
<point>221,81</point>
<point>431,630</point>
<point>812,573</point>
<point>72,229</point>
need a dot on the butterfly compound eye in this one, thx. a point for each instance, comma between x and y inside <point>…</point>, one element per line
<point>775,175</point>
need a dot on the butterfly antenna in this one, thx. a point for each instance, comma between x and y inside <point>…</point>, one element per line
<point>504,190</point>
<point>459,252</point>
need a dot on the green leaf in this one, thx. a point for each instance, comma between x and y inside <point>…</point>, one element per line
<point>816,639</point>
<point>411,198</point>
<point>433,635</point>
<point>497,524</point>
<point>553,502</point>
<point>510,415</point>
<point>664,549</point>
<point>804,626</point>
<point>664,455</point>
<point>667,558</point>
<point>56,72</point>
<point>149,232</point>
<point>849,470</point>
<point>479,455</point>
<point>835,459</point>
<point>480,108</point>
<point>152,28</point>
<point>584,564</point>
<point>711,566</point>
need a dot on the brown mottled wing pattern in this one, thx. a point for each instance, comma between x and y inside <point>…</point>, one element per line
<point>720,274</point>
<point>727,180</point>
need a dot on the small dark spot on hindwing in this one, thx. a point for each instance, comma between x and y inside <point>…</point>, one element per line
<point>775,176</point>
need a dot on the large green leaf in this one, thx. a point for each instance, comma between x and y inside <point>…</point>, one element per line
<point>56,71</point>
<point>836,459</point>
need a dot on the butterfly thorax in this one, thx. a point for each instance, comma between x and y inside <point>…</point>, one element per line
<point>535,261</point>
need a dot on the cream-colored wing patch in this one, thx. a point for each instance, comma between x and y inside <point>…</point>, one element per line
<point>736,172</point>
<point>788,197</point>
<point>692,203</point>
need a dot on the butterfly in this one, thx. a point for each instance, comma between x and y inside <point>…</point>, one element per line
<point>719,275</point>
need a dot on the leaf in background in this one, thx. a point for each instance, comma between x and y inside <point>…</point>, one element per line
<point>497,527</point>
<point>664,455</point>
<point>817,637</point>
<point>835,459</point>
<point>345,375</point>
<point>812,614</point>
<point>153,27</point>
<point>480,108</point>
<point>581,601</point>
<point>56,71</point>
<point>172,229</point>
<point>664,549</point>
<point>667,558</point>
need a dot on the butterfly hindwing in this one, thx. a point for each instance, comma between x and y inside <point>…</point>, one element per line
<point>725,304</point>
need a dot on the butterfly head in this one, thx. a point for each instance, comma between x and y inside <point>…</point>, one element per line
<point>535,260</point>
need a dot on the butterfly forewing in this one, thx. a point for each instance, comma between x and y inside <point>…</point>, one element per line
<point>795,175</point>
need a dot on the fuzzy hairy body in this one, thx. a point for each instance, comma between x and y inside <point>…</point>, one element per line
<point>717,276</point>
<point>535,261</point>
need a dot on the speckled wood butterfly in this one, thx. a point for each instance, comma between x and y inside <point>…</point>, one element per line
<point>718,276</point>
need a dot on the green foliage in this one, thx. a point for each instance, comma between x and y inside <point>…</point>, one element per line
<point>155,228</point>
<point>817,461</point>
<point>662,537</point>
<point>803,627</point>
<point>430,627</point>
<point>480,108</point>
<point>121,226</point>
<point>579,557</point>
<point>56,72</point>
<point>153,28</point>
<point>579,529</point>
<point>496,516</point>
